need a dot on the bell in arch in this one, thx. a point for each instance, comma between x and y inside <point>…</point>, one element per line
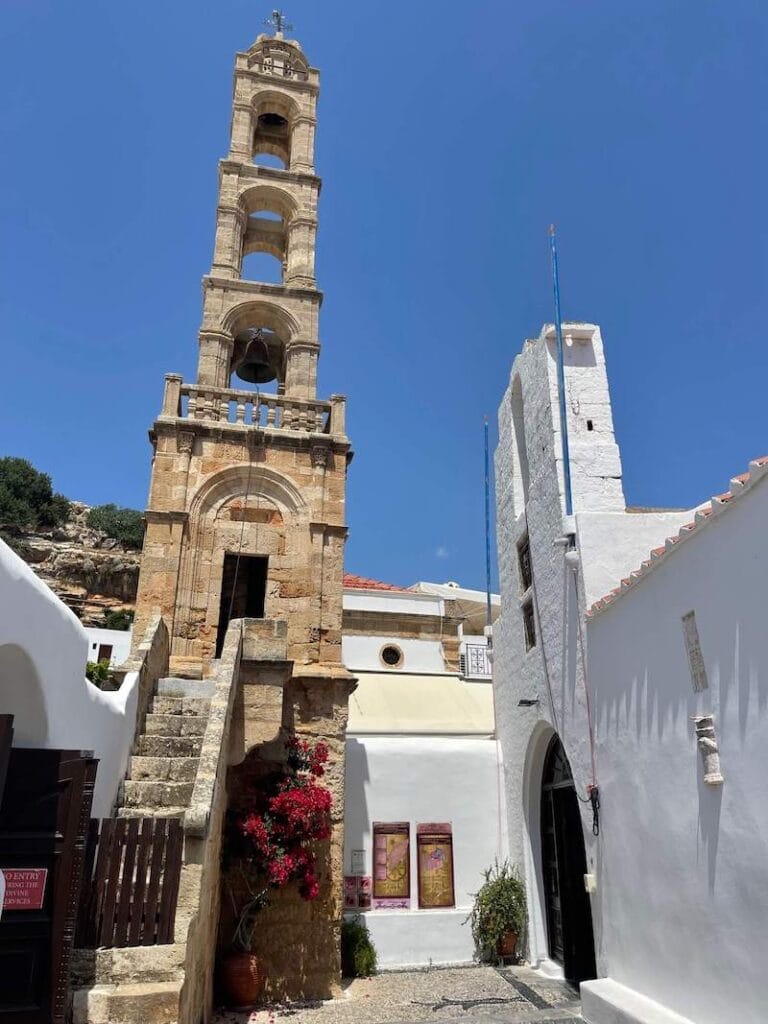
<point>255,366</point>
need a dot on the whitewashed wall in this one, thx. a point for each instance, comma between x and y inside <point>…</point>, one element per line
<point>362,653</point>
<point>118,639</point>
<point>43,651</point>
<point>425,779</point>
<point>682,866</point>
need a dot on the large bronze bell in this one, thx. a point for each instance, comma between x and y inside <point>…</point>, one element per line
<point>255,367</point>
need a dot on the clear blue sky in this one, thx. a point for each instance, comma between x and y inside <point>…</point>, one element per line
<point>450,136</point>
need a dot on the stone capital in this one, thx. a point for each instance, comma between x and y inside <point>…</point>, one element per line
<point>160,516</point>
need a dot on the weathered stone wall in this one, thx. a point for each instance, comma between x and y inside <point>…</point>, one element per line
<point>150,660</point>
<point>208,501</point>
<point>297,941</point>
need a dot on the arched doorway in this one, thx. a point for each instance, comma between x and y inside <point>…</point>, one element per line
<point>564,864</point>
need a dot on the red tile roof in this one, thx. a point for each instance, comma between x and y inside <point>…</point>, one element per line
<point>739,484</point>
<point>353,582</point>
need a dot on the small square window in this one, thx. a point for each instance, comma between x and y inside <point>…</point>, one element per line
<point>524,564</point>
<point>529,626</point>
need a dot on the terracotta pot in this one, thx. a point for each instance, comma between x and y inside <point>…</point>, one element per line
<point>242,979</point>
<point>507,944</point>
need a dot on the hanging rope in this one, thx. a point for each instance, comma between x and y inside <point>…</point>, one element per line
<point>593,791</point>
<point>245,515</point>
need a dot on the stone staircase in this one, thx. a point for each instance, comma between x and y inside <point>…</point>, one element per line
<point>142,985</point>
<point>161,772</point>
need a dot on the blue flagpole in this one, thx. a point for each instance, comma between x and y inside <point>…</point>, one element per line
<point>561,377</point>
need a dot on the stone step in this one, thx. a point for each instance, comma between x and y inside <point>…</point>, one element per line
<point>180,705</point>
<point>151,812</point>
<point>169,746</point>
<point>174,725</point>
<point>176,687</point>
<point>130,965</point>
<point>139,793</point>
<point>162,769</point>
<point>153,1003</point>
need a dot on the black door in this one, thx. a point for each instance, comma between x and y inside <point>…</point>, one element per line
<point>243,590</point>
<point>43,820</point>
<point>564,863</point>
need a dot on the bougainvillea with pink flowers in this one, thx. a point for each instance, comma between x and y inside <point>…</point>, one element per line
<point>276,839</point>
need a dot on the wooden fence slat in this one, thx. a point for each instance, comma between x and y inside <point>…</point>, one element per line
<point>171,876</point>
<point>153,888</point>
<point>142,867</point>
<point>132,873</point>
<point>125,892</point>
<point>107,936</point>
<point>106,839</point>
<point>84,934</point>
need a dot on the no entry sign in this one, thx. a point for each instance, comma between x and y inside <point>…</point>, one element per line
<point>24,888</point>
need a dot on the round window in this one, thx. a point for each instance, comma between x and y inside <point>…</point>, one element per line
<point>391,656</point>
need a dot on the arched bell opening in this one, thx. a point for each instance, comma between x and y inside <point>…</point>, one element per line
<point>268,213</point>
<point>262,332</point>
<point>267,266</point>
<point>273,119</point>
<point>271,156</point>
<point>258,359</point>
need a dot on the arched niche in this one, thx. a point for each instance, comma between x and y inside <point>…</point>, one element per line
<point>247,481</point>
<point>23,696</point>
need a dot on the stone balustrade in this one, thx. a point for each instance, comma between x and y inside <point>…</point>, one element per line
<point>251,408</point>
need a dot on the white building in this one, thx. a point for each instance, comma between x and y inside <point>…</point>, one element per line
<point>112,645</point>
<point>423,793</point>
<point>604,704</point>
<point>43,651</point>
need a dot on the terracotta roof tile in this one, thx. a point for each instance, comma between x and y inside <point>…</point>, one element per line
<point>353,582</point>
<point>739,484</point>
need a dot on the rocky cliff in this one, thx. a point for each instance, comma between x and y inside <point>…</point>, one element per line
<point>91,572</point>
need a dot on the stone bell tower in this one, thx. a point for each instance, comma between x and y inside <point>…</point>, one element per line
<point>246,506</point>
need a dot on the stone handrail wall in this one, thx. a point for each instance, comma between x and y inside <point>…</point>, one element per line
<point>248,408</point>
<point>197,914</point>
<point>149,659</point>
<point>213,760</point>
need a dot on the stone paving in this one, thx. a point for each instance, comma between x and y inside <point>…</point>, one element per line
<point>469,995</point>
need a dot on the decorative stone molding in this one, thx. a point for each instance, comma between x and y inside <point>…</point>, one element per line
<point>185,442</point>
<point>710,755</point>
<point>319,454</point>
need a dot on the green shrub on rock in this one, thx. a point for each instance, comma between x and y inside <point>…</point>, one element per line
<point>122,524</point>
<point>118,620</point>
<point>27,501</point>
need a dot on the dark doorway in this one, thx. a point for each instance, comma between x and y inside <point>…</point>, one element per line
<point>44,815</point>
<point>243,589</point>
<point>569,914</point>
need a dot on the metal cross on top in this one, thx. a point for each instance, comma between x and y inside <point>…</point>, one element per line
<point>277,21</point>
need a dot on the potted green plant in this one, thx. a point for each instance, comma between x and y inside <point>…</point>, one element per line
<point>267,847</point>
<point>499,912</point>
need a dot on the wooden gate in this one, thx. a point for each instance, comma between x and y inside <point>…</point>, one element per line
<point>132,873</point>
<point>44,816</point>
